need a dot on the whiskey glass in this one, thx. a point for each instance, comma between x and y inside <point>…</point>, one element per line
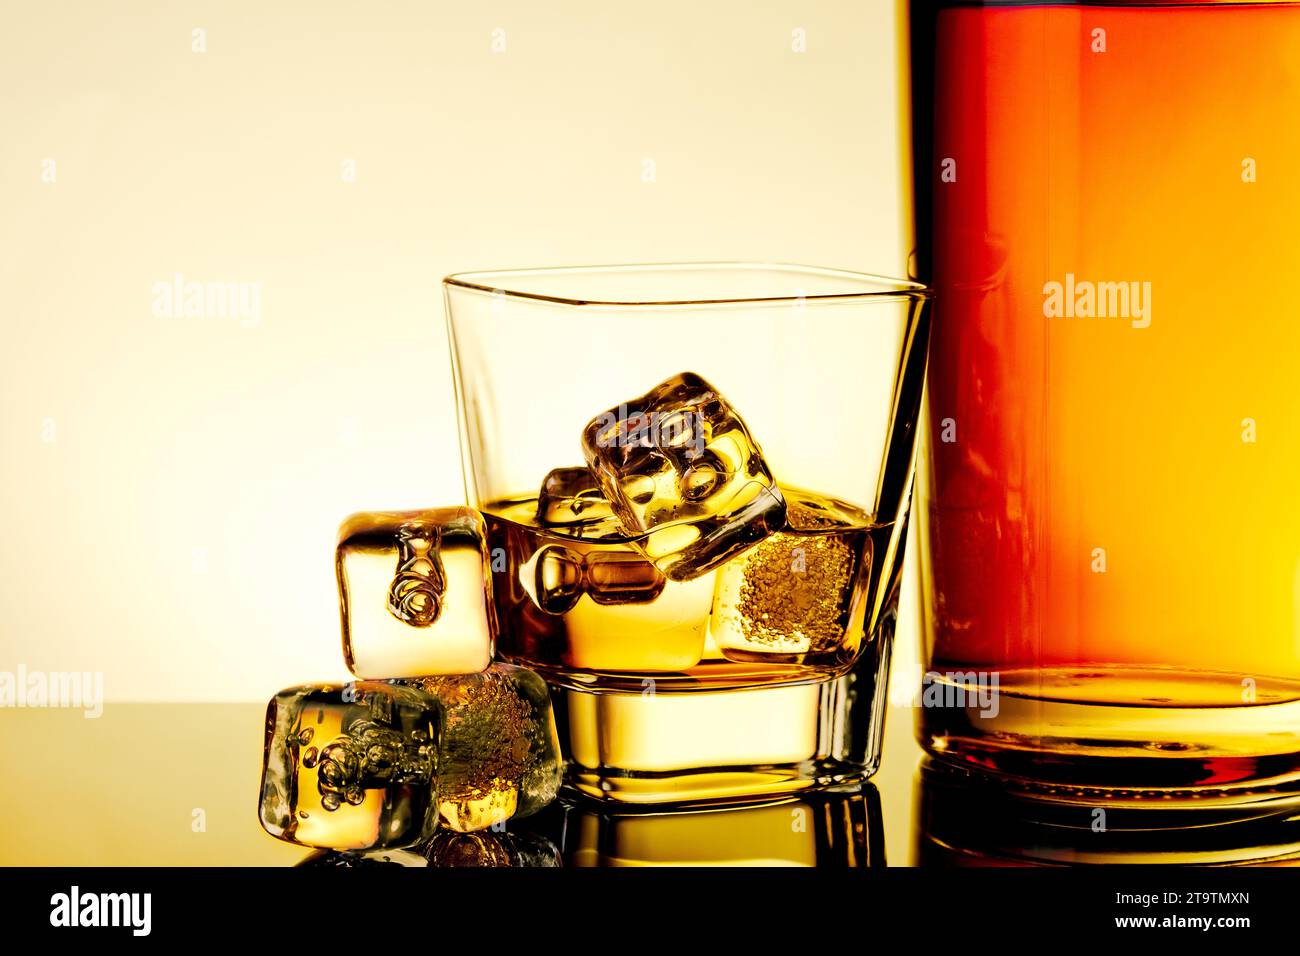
<point>761,671</point>
<point>1107,516</point>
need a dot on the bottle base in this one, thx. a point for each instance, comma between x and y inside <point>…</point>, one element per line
<point>1121,734</point>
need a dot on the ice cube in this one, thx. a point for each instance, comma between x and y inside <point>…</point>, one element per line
<point>684,476</point>
<point>557,577</point>
<point>415,593</point>
<point>615,576</point>
<point>498,756</point>
<point>594,604</point>
<point>571,503</point>
<point>618,610</point>
<point>349,767</point>
<point>663,630</point>
<point>376,765</point>
<point>571,496</point>
<point>792,597</point>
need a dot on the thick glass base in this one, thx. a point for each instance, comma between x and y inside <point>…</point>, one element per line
<point>703,787</point>
<point>709,747</point>
<point>1123,734</point>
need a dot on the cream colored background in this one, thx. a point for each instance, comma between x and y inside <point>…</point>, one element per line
<point>177,532</point>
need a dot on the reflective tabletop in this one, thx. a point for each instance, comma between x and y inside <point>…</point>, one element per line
<point>177,785</point>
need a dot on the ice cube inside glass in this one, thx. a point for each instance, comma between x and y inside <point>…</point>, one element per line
<point>571,497</point>
<point>683,473</point>
<point>798,596</point>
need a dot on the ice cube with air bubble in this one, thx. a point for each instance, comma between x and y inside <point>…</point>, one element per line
<point>684,476</point>
<point>415,593</point>
<point>570,498</point>
<point>384,764</point>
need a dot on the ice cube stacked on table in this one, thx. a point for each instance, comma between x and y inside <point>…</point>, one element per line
<point>415,593</point>
<point>435,734</point>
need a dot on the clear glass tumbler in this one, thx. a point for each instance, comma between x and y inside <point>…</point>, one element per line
<point>696,481</point>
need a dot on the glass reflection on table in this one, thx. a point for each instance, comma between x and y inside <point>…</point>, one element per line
<point>839,828</point>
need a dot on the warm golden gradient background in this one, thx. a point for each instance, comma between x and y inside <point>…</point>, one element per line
<point>177,531</point>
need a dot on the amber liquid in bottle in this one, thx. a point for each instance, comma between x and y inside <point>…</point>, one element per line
<point>1108,203</point>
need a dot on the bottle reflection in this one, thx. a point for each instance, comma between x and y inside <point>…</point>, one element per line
<point>966,818</point>
<point>831,829</point>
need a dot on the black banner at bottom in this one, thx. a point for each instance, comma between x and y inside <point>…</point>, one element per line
<point>213,904</point>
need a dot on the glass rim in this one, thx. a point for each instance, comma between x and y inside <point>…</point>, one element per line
<point>495,282</point>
